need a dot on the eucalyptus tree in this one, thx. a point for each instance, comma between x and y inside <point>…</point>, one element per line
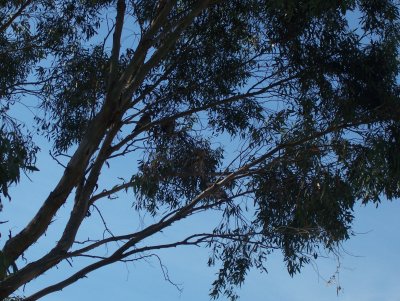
<point>309,99</point>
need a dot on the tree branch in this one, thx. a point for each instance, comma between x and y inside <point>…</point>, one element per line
<point>118,256</point>
<point>16,15</point>
<point>210,105</point>
<point>114,60</point>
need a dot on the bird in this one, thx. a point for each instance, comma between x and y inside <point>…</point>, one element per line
<point>144,120</point>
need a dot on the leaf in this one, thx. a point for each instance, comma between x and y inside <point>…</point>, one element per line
<point>31,168</point>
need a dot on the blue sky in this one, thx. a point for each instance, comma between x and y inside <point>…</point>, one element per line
<point>368,268</point>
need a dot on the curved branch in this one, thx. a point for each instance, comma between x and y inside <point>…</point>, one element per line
<point>118,256</point>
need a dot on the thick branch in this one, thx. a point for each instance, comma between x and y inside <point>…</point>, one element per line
<point>121,7</point>
<point>73,174</point>
<point>82,200</point>
<point>78,213</point>
<point>141,51</point>
<point>163,50</point>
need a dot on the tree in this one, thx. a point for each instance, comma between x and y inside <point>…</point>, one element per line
<point>311,101</point>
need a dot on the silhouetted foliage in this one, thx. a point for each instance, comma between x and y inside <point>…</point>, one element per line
<point>308,100</point>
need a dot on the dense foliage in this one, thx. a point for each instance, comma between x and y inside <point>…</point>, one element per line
<point>307,92</point>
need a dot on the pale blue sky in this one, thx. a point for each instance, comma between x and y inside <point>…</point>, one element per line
<point>369,272</point>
